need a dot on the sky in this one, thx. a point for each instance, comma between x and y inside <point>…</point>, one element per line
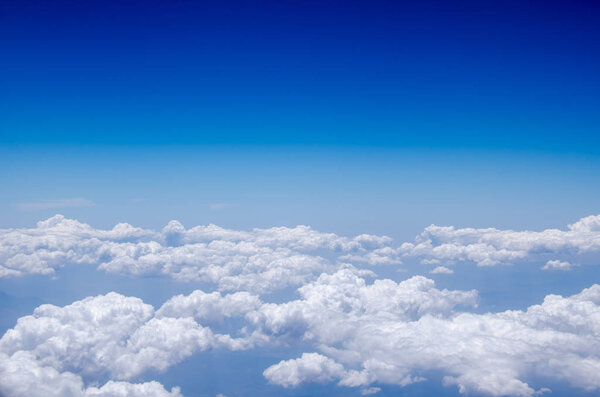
<point>299,198</point>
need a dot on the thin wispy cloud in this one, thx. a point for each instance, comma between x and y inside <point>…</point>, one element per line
<point>56,204</point>
<point>218,206</point>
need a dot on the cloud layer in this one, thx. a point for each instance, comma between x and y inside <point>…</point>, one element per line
<point>397,333</point>
<point>54,349</point>
<point>264,260</point>
<point>362,335</point>
<point>489,247</point>
<point>359,333</point>
<point>259,260</point>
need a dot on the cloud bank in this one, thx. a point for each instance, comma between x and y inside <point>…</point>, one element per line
<point>259,260</point>
<point>397,333</point>
<point>359,333</point>
<point>362,335</point>
<point>264,260</point>
<point>490,247</point>
<point>51,352</point>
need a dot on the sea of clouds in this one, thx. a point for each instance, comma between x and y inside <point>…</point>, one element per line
<point>362,331</point>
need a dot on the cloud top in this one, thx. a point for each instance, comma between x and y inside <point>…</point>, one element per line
<point>259,260</point>
<point>360,334</point>
<point>264,260</point>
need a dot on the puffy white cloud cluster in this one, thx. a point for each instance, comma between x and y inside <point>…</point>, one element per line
<point>312,367</point>
<point>365,334</point>
<point>441,270</point>
<point>263,260</point>
<point>211,307</point>
<point>258,260</point>
<point>397,333</point>
<point>557,265</point>
<point>361,334</point>
<point>21,375</point>
<point>53,350</point>
<point>489,247</point>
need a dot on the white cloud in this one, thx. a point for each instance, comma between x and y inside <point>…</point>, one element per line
<point>365,333</point>
<point>259,260</point>
<point>212,307</point>
<point>107,335</point>
<point>218,206</point>
<point>442,270</point>
<point>557,265</point>
<point>370,390</point>
<point>126,389</point>
<point>393,333</point>
<point>311,367</point>
<point>382,332</point>
<point>56,204</point>
<point>263,260</point>
<point>21,375</point>
<point>489,247</point>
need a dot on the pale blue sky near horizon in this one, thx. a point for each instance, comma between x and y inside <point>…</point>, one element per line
<point>346,190</point>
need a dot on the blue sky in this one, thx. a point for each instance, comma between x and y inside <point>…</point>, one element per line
<point>478,75</point>
<point>349,117</point>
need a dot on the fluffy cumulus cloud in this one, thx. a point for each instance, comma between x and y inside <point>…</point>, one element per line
<point>441,270</point>
<point>357,332</point>
<point>311,367</point>
<point>258,260</point>
<point>211,307</point>
<point>51,352</point>
<point>557,265</point>
<point>396,333</point>
<point>263,260</point>
<point>22,375</point>
<point>489,247</point>
<point>362,335</point>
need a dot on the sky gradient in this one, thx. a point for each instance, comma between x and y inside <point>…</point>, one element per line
<point>511,74</point>
<point>401,192</point>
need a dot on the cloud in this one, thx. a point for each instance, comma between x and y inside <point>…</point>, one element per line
<point>259,260</point>
<point>360,333</point>
<point>22,375</point>
<point>218,206</point>
<point>264,260</point>
<point>211,307</point>
<point>557,265</point>
<point>441,270</point>
<point>394,333</point>
<point>370,390</point>
<point>311,367</point>
<point>56,204</point>
<point>489,247</point>
<point>108,335</point>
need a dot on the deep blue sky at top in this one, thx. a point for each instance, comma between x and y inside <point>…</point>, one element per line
<point>469,74</point>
